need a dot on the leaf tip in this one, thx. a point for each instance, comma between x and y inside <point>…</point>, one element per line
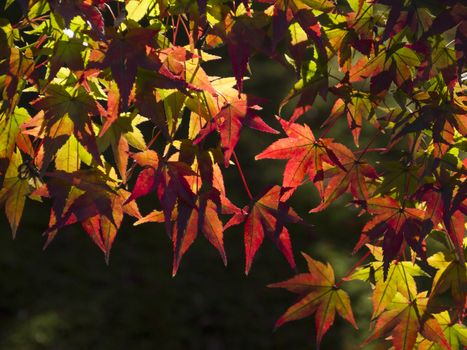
<point>175,266</point>
<point>174,270</point>
<point>279,323</point>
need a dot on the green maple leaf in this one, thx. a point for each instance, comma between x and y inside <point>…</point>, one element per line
<point>124,132</point>
<point>66,112</point>
<point>69,157</point>
<point>14,191</point>
<point>400,279</point>
<point>451,275</point>
<point>9,131</point>
<point>67,53</point>
<point>455,334</point>
<point>399,60</point>
<point>403,320</point>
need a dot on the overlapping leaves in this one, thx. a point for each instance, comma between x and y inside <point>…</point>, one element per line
<point>107,102</point>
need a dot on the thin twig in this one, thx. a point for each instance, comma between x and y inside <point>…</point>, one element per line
<point>242,175</point>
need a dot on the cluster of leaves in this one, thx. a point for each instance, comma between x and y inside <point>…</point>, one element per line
<point>105,102</point>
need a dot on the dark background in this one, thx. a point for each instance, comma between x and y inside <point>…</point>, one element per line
<point>68,298</point>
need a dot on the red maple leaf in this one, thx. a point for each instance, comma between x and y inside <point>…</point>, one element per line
<point>351,175</point>
<point>85,196</point>
<point>305,153</point>
<point>233,116</point>
<point>266,215</point>
<point>184,211</point>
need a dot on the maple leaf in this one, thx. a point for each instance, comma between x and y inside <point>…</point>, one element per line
<point>85,196</point>
<point>235,31</point>
<point>172,79</point>
<point>357,109</point>
<point>442,120</point>
<point>239,112</point>
<point>67,53</point>
<point>120,133</point>
<point>242,31</point>
<point>279,20</point>
<point>400,278</point>
<point>204,105</point>
<point>451,275</point>
<point>403,320</point>
<point>266,215</point>
<point>16,64</point>
<point>103,230</point>
<point>284,12</point>
<point>448,18</point>
<point>399,178</point>
<point>314,77</point>
<point>13,192</point>
<point>184,211</point>
<point>183,68</point>
<point>167,178</point>
<point>67,112</point>
<point>306,155</point>
<point>239,53</point>
<point>441,209</point>
<point>343,40</point>
<point>9,131</point>
<point>351,173</point>
<point>395,223</point>
<point>124,55</point>
<point>69,9</point>
<point>314,81</point>
<point>89,196</point>
<point>204,217</point>
<point>398,60</point>
<point>454,333</point>
<point>320,296</point>
<point>70,156</point>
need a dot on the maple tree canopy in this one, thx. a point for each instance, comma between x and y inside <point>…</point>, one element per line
<point>108,101</point>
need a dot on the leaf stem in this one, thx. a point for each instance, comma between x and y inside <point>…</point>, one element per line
<point>330,126</point>
<point>242,175</point>
<point>154,139</point>
<point>367,147</point>
<point>379,149</point>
